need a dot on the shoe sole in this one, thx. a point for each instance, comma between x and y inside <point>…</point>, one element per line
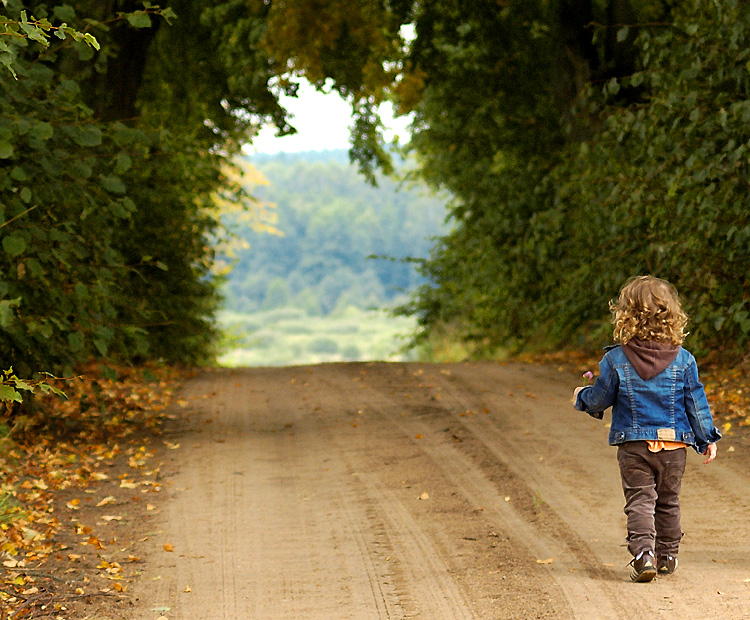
<point>647,574</point>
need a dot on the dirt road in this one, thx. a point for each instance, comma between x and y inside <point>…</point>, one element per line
<point>464,491</point>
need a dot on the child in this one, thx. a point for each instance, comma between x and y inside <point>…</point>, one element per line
<point>659,408</point>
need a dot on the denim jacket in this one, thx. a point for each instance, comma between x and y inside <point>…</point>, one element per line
<point>671,406</point>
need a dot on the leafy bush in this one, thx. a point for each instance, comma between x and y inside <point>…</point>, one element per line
<point>653,178</point>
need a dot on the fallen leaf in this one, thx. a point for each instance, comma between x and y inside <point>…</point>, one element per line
<point>424,495</point>
<point>105,501</point>
<point>547,561</point>
<point>73,504</point>
<point>418,436</point>
<point>187,589</point>
<point>168,547</point>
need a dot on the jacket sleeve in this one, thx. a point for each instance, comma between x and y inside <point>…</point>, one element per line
<point>596,398</point>
<point>698,411</point>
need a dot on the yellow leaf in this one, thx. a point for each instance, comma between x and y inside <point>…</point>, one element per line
<point>187,589</point>
<point>168,547</point>
<point>424,495</point>
<point>547,561</point>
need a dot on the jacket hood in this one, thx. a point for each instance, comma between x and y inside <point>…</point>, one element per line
<point>649,358</point>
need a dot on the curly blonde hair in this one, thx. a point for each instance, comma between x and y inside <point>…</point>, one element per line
<point>648,308</point>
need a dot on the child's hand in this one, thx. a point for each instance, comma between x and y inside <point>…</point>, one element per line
<point>589,377</point>
<point>710,453</point>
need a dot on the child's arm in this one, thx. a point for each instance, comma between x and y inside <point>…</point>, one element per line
<point>594,399</point>
<point>699,413</point>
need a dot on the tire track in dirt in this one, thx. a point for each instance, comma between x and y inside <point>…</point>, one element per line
<point>269,520</point>
<point>561,455</point>
<point>587,596</point>
<point>296,495</point>
<point>426,551</point>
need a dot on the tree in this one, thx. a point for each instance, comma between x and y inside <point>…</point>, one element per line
<point>110,169</point>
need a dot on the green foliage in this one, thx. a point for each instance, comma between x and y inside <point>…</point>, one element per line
<point>669,178</point>
<point>107,218</point>
<point>12,388</point>
<point>647,175</point>
<point>17,30</point>
<point>60,205</point>
<point>331,221</point>
<point>286,336</point>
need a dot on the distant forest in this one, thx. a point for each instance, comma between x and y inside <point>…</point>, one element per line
<point>332,220</point>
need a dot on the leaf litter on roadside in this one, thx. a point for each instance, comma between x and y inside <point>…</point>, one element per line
<point>55,467</point>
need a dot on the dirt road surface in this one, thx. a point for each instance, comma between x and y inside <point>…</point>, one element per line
<point>442,492</point>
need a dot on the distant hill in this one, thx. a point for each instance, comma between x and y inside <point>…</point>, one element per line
<point>332,220</point>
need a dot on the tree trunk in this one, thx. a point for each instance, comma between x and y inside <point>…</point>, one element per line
<point>116,90</point>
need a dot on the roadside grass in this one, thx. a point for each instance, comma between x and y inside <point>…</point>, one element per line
<point>289,336</point>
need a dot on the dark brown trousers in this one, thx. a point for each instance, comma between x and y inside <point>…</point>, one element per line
<point>651,482</point>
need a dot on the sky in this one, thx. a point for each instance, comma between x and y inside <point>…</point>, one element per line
<point>322,122</point>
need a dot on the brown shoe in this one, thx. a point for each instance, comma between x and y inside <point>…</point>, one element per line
<point>666,565</point>
<point>644,567</point>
